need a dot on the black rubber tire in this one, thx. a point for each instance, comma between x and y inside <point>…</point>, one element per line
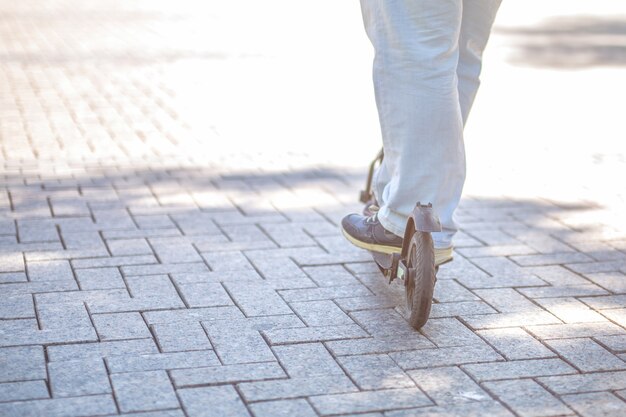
<point>421,279</point>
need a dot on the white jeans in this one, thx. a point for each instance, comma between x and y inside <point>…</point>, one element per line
<point>426,74</point>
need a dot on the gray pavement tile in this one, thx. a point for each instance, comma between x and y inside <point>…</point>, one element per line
<point>160,269</point>
<point>78,377</point>
<point>613,343</point>
<point>257,299</point>
<point>503,320</point>
<point>60,316</point>
<point>570,310</point>
<point>571,384</point>
<point>201,294</point>
<point>575,330</point>
<point>330,275</point>
<point>530,368</point>
<point>587,355</point>
<point>367,302</point>
<point>93,405</point>
<point>23,390</point>
<point>49,271</point>
<point>227,374</point>
<point>100,349</point>
<point>193,314</point>
<point>236,345</point>
<point>320,313</point>
<point>212,401</point>
<point>507,300</point>
<point>164,413</point>
<point>120,326</point>
<point>296,387</point>
<point>171,250</point>
<point>458,355</point>
<point>374,372</point>
<point>527,398</point>
<point>17,306</point>
<point>283,408</point>
<point>369,401</point>
<point>314,334</point>
<point>181,336</point>
<point>448,290</point>
<point>448,332</point>
<point>552,259</point>
<point>227,261</point>
<point>144,391</point>
<point>114,261</point>
<point>558,275</point>
<point>467,409</point>
<point>448,385</point>
<point>325,293</point>
<point>612,281</point>
<point>22,363</point>
<point>99,278</point>
<point>38,287</point>
<point>159,361</point>
<point>382,322</point>
<point>383,344</point>
<point>307,359</point>
<point>456,309</point>
<point>596,404</point>
<point>514,343</point>
<point>568,291</point>
<point>126,247</point>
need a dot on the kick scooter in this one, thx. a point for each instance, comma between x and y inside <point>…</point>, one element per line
<point>415,264</point>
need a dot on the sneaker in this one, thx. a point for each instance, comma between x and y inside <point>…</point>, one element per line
<point>366,232</point>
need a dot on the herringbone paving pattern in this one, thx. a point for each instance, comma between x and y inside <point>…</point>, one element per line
<point>142,275</point>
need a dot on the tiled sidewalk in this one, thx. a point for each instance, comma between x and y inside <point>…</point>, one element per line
<point>144,273</point>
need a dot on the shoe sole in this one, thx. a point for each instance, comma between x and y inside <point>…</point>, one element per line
<point>388,250</point>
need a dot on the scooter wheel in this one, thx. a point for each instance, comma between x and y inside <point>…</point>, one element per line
<point>420,282</point>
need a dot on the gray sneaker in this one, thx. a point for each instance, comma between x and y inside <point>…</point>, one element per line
<point>367,233</point>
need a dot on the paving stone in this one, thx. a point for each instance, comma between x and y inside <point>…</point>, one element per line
<point>120,326</point>
<point>570,310</point>
<point>314,334</point>
<point>99,278</point>
<point>159,361</point>
<point>172,250</point>
<point>527,398</point>
<point>79,377</point>
<point>458,355</point>
<point>63,316</point>
<point>17,306</point>
<point>227,374</point>
<point>382,322</point>
<point>570,384</point>
<point>570,291</point>
<point>502,273</point>
<point>160,269</point>
<point>373,372</point>
<point>383,344</point>
<point>321,313</point>
<point>126,247</point>
<point>101,349</point>
<point>92,405</point>
<point>456,309</point>
<point>449,332</point>
<point>22,363</point>
<point>325,293</point>
<point>49,271</point>
<point>23,390</point>
<point>499,250</point>
<point>449,290</point>
<point>205,295</point>
<point>212,401</point>
<point>594,267</point>
<point>227,261</point>
<point>587,355</point>
<point>612,281</point>
<point>143,391</point>
<point>38,287</point>
<point>257,300</point>
<point>330,276</point>
<point>12,262</point>
<point>296,387</point>
<point>165,413</point>
<point>448,385</point>
<point>596,404</point>
<point>193,314</point>
<point>466,409</point>
<point>515,344</point>
<point>369,401</point>
<point>575,330</point>
<point>307,359</point>
<point>518,369</point>
<point>236,345</point>
<point>507,300</point>
<point>613,343</point>
<point>497,321</point>
<point>284,408</point>
<point>557,275</point>
<point>179,337</point>
<point>113,261</point>
<point>551,259</point>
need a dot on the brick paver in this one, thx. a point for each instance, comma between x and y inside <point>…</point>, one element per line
<point>169,245</point>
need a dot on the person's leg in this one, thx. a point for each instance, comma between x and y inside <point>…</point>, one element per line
<point>478,17</point>
<point>415,80</point>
